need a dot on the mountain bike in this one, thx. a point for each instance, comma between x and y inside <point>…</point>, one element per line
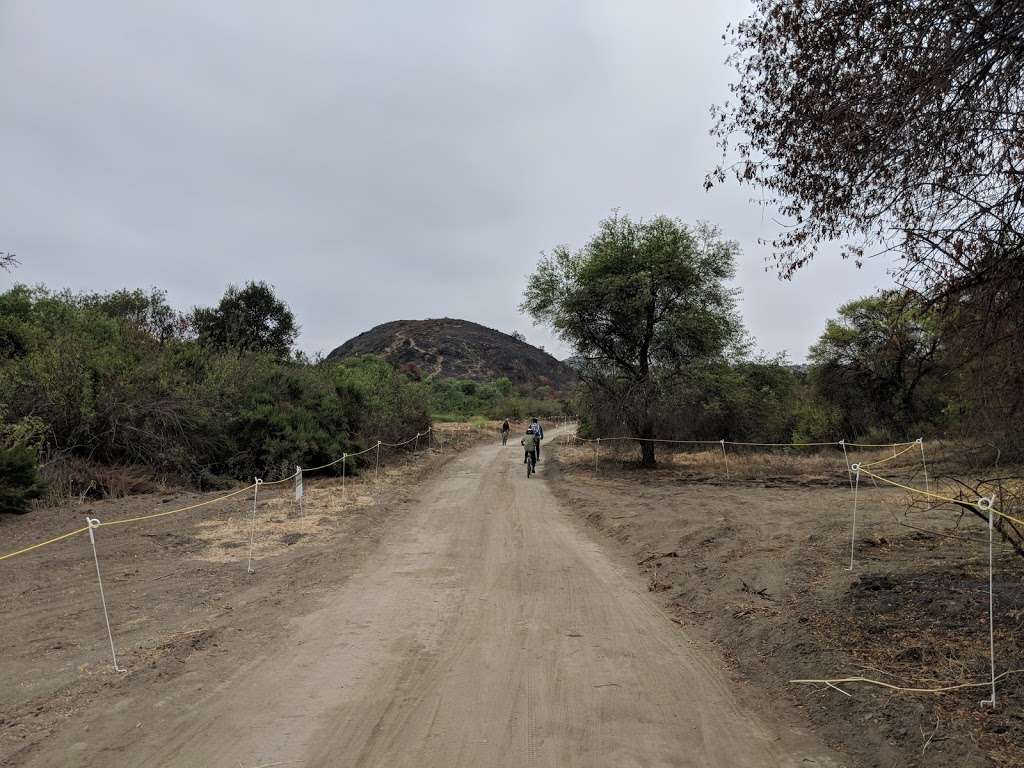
<point>531,463</point>
<point>504,438</point>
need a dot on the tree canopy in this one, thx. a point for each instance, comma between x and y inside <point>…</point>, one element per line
<point>248,319</point>
<point>878,362</point>
<point>639,303</point>
<point>892,125</point>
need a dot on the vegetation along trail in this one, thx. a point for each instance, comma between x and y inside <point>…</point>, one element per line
<point>487,630</point>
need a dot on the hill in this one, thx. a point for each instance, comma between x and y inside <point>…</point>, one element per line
<point>458,349</point>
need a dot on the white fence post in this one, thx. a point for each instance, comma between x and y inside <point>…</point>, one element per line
<point>300,493</point>
<point>985,504</point>
<point>853,528</point>
<point>846,460</point>
<point>252,527</point>
<point>376,466</point>
<point>726,457</point>
<point>93,524</point>
<point>924,464</point>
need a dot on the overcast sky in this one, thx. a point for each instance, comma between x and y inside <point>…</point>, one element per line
<point>373,161</point>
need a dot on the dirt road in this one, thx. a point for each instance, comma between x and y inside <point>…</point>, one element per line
<point>488,630</point>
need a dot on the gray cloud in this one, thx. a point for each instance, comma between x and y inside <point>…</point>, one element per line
<point>373,161</point>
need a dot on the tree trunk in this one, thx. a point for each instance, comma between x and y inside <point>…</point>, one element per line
<point>647,455</point>
<point>647,447</point>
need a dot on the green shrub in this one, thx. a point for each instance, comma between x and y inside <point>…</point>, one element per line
<point>457,400</point>
<point>19,480</point>
<point>118,379</point>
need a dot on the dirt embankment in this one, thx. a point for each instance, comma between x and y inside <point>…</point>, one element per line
<point>760,567</point>
<point>182,604</point>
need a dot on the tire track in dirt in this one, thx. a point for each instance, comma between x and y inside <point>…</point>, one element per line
<point>488,630</point>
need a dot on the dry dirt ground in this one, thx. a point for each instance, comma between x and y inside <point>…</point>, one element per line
<point>757,565</point>
<point>467,619</point>
<point>182,604</point>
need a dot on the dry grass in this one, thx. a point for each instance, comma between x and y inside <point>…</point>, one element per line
<point>824,464</point>
<point>78,479</point>
<point>280,522</point>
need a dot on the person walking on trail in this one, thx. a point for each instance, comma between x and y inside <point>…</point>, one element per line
<point>530,443</point>
<point>505,429</point>
<point>538,432</point>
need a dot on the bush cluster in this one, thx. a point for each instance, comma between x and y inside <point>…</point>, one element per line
<point>888,367</point>
<point>122,379</point>
<point>458,400</point>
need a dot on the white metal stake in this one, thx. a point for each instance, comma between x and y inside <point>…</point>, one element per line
<point>416,445</point>
<point>726,457</point>
<point>924,464</point>
<point>853,528</point>
<point>376,466</point>
<point>252,527</point>
<point>597,451</point>
<point>344,461</point>
<point>985,504</point>
<point>93,524</point>
<point>846,458</point>
<point>300,493</point>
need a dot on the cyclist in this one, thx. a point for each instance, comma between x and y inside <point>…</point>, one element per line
<point>538,432</point>
<point>505,429</point>
<point>530,444</point>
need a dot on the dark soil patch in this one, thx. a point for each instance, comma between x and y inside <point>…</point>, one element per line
<point>762,571</point>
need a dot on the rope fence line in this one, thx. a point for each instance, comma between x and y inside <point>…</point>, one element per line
<point>984,506</point>
<point>895,455</point>
<point>297,473</point>
<point>841,444</point>
<point>836,443</point>
<point>297,476</point>
<point>932,495</point>
<point>189,508</point>
<point>54,540</point>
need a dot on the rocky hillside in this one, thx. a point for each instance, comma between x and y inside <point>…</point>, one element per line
<point>459,349</point>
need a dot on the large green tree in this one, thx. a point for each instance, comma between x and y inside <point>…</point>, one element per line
<point>639,303</point>
<point>879,362</point>
<point>248,319</point>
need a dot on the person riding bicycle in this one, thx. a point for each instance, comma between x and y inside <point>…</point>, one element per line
<point>538,432</point>
<point>530,444</point>
<point>505,429</point>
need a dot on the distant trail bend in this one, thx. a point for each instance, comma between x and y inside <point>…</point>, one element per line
<point>488,630</point>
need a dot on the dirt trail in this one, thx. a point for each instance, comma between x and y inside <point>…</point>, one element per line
<point>488,630</point>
